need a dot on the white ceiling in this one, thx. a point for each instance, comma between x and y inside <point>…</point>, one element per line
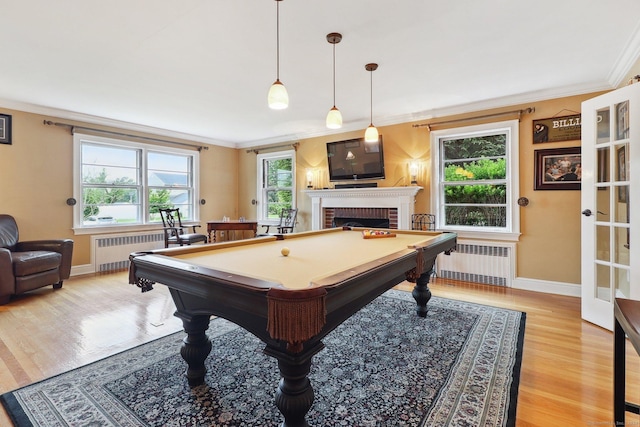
<point>201,69</point>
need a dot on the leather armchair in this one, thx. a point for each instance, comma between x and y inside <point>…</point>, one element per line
<point>25,266</point>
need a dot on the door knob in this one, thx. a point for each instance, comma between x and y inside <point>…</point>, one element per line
<point>586,212</point>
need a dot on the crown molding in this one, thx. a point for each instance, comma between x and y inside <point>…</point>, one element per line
<point>627,59</point>
<point>622,68</point>
<point>103,121</point>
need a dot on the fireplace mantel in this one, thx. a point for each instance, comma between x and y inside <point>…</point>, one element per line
<point>401,198</point>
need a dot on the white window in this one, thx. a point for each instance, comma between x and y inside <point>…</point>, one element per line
<point>276,184</point>
<point>475,184</point>
<point>119,183</point>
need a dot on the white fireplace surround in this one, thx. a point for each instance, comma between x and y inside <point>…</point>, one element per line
<point>401,198</point>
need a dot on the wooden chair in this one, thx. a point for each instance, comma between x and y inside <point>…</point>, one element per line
<point>177,234</point>
<point>423,221</point>
<point>287,222</point>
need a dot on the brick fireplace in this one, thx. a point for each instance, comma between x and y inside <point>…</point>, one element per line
<point>367,206</point>
<point>361,217</point>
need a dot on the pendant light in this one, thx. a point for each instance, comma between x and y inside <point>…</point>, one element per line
<point>334,118</point>
<point>371,134</point>
<point>278,98</point>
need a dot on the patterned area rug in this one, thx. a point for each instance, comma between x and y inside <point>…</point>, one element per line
<point>383,367</point>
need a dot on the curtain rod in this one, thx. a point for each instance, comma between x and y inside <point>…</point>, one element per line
<point>269,147</point>
<point>528,110</point>
<point>108,132</point>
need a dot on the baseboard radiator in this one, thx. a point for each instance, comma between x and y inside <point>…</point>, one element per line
<point>111,251</point>
<point>489,263</point>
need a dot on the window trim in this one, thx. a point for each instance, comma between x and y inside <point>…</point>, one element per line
<point>260,194</point>
<point>78,138</point>
<point>511,128</point>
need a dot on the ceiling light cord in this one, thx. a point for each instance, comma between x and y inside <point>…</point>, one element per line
<point>278,40</point>
<point>371,97</point>
<point>371,134</point>
<point>334,75</point>
<point>334,117</point>
<point>278,98</point>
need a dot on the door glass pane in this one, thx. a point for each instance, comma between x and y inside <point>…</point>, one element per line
<point>622,120</point>
<point>622,204</point>
<point>602,167</point>
<point>602,203</point>
<point>621,242</point>
<point>621,163</point>
<point>603,126</point>
<point>602,243</point>
<point>603,282</point>
<point>621,277</point>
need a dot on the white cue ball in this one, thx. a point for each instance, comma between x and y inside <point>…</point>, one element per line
<point>284,251</point>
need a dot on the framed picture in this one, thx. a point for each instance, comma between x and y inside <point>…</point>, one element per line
<point>5,129</point>
<point>558,169</point>
<point>622,125</point>
<point>566,128</point>
<point>621,174</point>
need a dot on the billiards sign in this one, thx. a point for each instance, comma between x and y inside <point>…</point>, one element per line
<point>5,129</point>
<point>555,129</point>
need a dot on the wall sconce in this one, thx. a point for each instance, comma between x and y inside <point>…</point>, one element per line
<point>310,178</point>
<point>414,170</point>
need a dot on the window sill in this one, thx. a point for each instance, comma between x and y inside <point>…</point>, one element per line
<point>486,235</point>
<point>79,231</point>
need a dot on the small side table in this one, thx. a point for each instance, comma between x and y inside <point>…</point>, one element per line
<point>231,225</point>
<point>627,323</point>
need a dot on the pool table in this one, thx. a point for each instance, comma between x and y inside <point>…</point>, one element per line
<point>289,302</point>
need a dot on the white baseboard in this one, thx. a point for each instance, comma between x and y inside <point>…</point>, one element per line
<point>77,270</point>
<point>559,288</point>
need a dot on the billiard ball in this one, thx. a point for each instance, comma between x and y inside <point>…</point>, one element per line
<point>285,251</point>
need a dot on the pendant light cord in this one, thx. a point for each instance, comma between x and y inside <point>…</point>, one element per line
<point>334,74</point>
<point>278,40</point>
<point>371,96</point>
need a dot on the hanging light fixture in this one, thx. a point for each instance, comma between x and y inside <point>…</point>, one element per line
<point>278,97</point>
<point>371,134</point>
<point>334,118</point>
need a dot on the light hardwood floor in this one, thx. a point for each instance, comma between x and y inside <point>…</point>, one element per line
<point>566,377</point>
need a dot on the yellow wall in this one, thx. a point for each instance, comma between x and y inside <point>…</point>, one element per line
<point>36,172</point>
<point>549,247</point>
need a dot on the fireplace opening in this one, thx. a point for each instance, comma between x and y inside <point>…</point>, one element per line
<point>361,217</point>
<point>361,222</point>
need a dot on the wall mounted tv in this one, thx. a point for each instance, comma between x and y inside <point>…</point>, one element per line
<point>355,159</point>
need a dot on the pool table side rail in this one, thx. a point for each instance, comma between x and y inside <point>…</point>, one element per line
<point>163,268</point>
<point>161,263</point>
<point>267,310</point>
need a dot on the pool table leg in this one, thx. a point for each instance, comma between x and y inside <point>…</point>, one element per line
<point>196,346</point>
<point>294,395</point>
<point>421,293</point>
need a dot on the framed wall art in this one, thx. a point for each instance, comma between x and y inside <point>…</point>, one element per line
<point>5,129</point>
<point>622,173</point>
<point>558,169</point>
<point>566,128</point>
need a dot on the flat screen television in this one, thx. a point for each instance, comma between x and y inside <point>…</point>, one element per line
<point>355,159</point>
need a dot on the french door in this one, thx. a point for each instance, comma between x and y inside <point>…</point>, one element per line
<point>610,153</point>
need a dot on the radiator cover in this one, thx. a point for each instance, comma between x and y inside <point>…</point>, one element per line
<point>490,263</point>
<point>111,252</point>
